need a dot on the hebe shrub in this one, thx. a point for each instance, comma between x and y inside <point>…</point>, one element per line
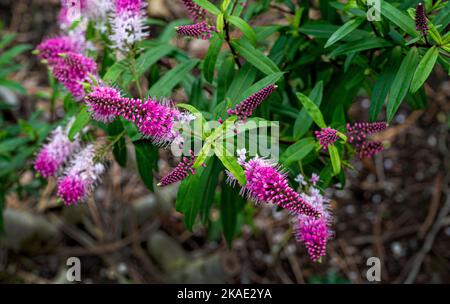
<point>120,69</point>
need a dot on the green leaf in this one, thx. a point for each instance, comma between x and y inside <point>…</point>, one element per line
<point>298,151</point>
<point>2,207</point>
<point>209,64</point>
<point>401,82</point>
<point>312,109</point>
<point>119,149</point>
<point>12,144</point>
<point>245,28</point>
<point>208,6</point>
<point>12,85</point>
<point>7,56</point>
<point>151,56</point>
<point>326,30</point>
<point>255,57</point>
<point>258,86</point>
<point>7,39</point>
<point>360,45</point>
<point>146,160</point>
<point>225,78</point>
<point>229,161</point>
<point>242,81</point>
<point>230,205</point>
<point>115,71</point>
<point>335,159</point>
<point>399,18</point>
<point>383,85</point>
<point>424,68</point>
<point>81,120</point>
<point>343,31</point>
<point>303,121</point>
<point>192,193</point>
<point>164,86</point>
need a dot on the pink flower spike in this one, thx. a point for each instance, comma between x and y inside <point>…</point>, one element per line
<point>74,68</point>
<point>50,49</point>
<point>246,107</point>
<point>128,24</point>
<point>103,103</point>
<point>358,134</point>
<point>327,136</point>
<point>196,12</point>
<point>421,19</point>
<point>180,172</point>
<point>199,30</point>
<point>266,184</point>
<point>55,153</point>
<point>80,177</point>
<point>314,233</point>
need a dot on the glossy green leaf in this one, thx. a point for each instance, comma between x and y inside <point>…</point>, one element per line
<point>7,56</point>
<point>120,148</point>
<point>208,6</point>
<point>192,193</point>
<point>360,45</point>
<point>335,159</point>
<point>424,68</point>
<point>255,57</point>
<point>146,160</point>
<point>245,28</point>
<point>312,109</point>
<point>209,64</point>
<point>230,162</point>
<point>164,86</point>
<point>343,31</point>
<point>81,120</point>
<point>298,151</point>
<point>399,18</point>
<point>304,121</point>
<point>151,56</point>
<point>402,81</point>
<point>230,205</point>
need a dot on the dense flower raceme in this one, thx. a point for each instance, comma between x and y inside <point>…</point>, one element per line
<point>128,24</point>
<point>72,71</point>
<point>246,107</point>
<point>180,172</point>
<point>201,30</point>
<point>358,134</point>
<point>153,119</point>
<point>266,184</point>
<point>313,232</point>
<point>196,12</point>
<point>50,49</point>
<point>326,136</point>
<point>421,19</point>
<point>80,177</point>
<point>55,153</point>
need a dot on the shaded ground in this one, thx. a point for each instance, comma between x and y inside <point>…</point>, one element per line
<point>393,207</point>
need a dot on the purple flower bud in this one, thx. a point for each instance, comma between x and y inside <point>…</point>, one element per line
<point>196,12</point>
<point>246,107</point>
<point>327,136</point>
<point>421,19</point>
<point>55,153</point>
<point>180,172</point>
<point>358,134</point>
<point>199,30</point>
<point>266,184</point>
